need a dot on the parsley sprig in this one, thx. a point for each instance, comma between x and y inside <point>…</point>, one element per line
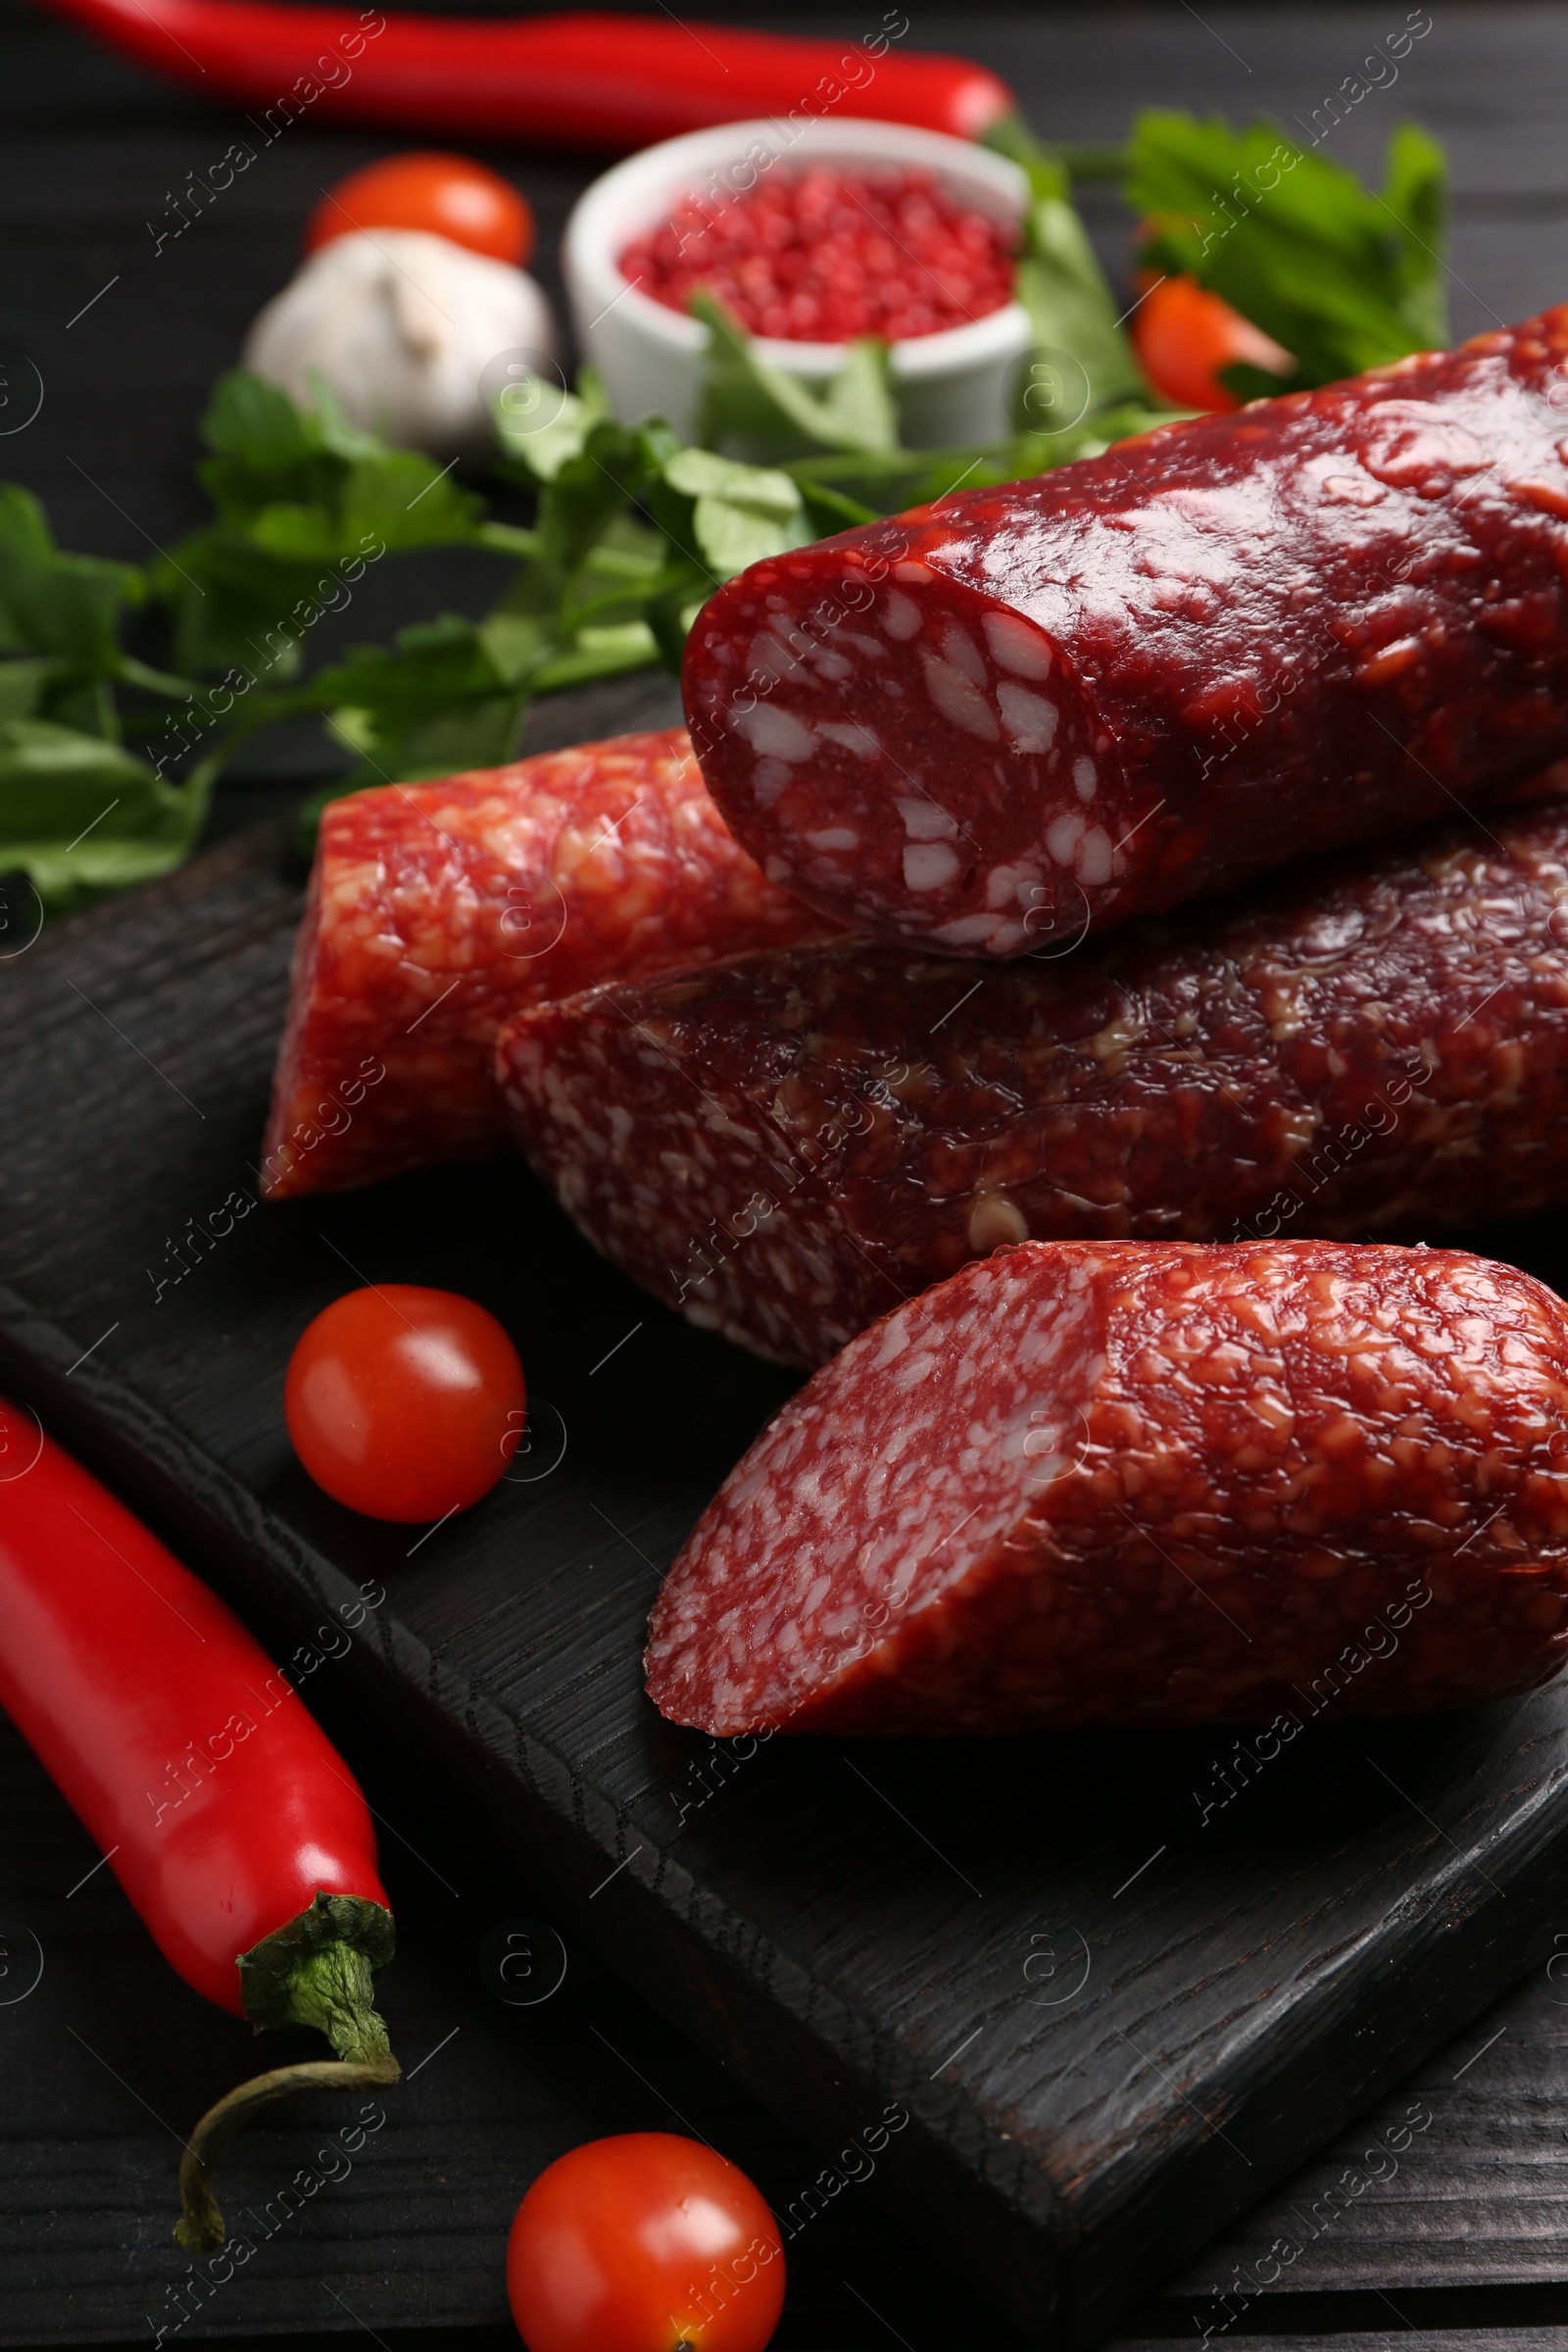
<point>124,690</point>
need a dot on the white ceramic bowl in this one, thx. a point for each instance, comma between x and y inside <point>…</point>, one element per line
<point>954,386</point>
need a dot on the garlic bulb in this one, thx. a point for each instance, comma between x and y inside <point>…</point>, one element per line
<point>403,325</point>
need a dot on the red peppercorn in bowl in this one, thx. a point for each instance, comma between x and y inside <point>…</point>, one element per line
<point>824,254</point>
<point>811,235</point>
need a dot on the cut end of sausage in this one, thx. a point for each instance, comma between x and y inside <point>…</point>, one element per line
<point>1144,1484</point>
<point>867,1505</point>
<point>912,760</point>
<point>1034,708</point>
<point>437,909</point>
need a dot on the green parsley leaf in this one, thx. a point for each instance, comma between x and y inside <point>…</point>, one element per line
<point>305,501</point>
<point>1082,359</point>
<point>740,514</point>
<point>1415,189</point>
<point>633,531</point>
<point>267,452</point>
<point>434,700</point>
<point>57,604</point>
<point>24,685</point>
<point>591,490</point>
<point>82,816</point>
<point>539,425</point>
<point>1343,278</point>
<point>754,409</point>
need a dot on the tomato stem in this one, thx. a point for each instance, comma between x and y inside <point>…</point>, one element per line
<point>330,1987</point>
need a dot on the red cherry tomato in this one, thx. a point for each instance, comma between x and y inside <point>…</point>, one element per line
<point>640,2244</point>
<point>1183,335</point>
<point>405,1403</point>
<point>444,194</point>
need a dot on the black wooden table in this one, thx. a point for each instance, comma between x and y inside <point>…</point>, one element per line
<point>1443,2218</point>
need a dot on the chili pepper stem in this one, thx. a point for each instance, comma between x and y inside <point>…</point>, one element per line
<point>329,1987</point>
<point>333,1989</point>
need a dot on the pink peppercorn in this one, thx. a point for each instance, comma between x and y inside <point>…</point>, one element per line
<point>822,255</point>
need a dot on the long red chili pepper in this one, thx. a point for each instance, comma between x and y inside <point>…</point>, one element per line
<point>225,1814</point>
<point>612,82</point>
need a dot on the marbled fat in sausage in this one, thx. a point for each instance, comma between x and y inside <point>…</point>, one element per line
<point>788,1145</point>
<point>435,910</point>
<point>1028,712</point>
<point>1138,1483</point>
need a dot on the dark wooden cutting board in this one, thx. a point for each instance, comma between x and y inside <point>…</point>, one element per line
<point>1111,2018</point>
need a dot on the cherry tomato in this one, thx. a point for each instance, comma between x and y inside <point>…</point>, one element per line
<point>643,2243</point>
<point>1183,335</point>
<point>444,194</point>
<point>405,1403</point>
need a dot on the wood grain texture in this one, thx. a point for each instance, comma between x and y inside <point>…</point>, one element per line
<point>1500,2335</point>
<point>1114,2017</point>
<point>514,1657</point>
<point>109,2057</point>
<point>412,2239</point>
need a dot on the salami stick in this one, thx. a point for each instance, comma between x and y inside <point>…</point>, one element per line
<point>1127,1483</point>
<point>1030,711</point>
<point>437,909</point>
<point>787,1145</point>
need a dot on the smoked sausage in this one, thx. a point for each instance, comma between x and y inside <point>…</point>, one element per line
<point>437,909</point>
<point>1047,707</point>
<point>787,1145</point>
<point>1138,1483</point>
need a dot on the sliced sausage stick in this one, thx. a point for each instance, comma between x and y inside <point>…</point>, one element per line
<point>1142,1482</point>
<point>787,1145</point>
<point>1148,676</point>
<point>435,910</point>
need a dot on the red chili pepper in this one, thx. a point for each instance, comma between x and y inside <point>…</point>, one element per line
<point>237,1832</point>
<point>612,82</point>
